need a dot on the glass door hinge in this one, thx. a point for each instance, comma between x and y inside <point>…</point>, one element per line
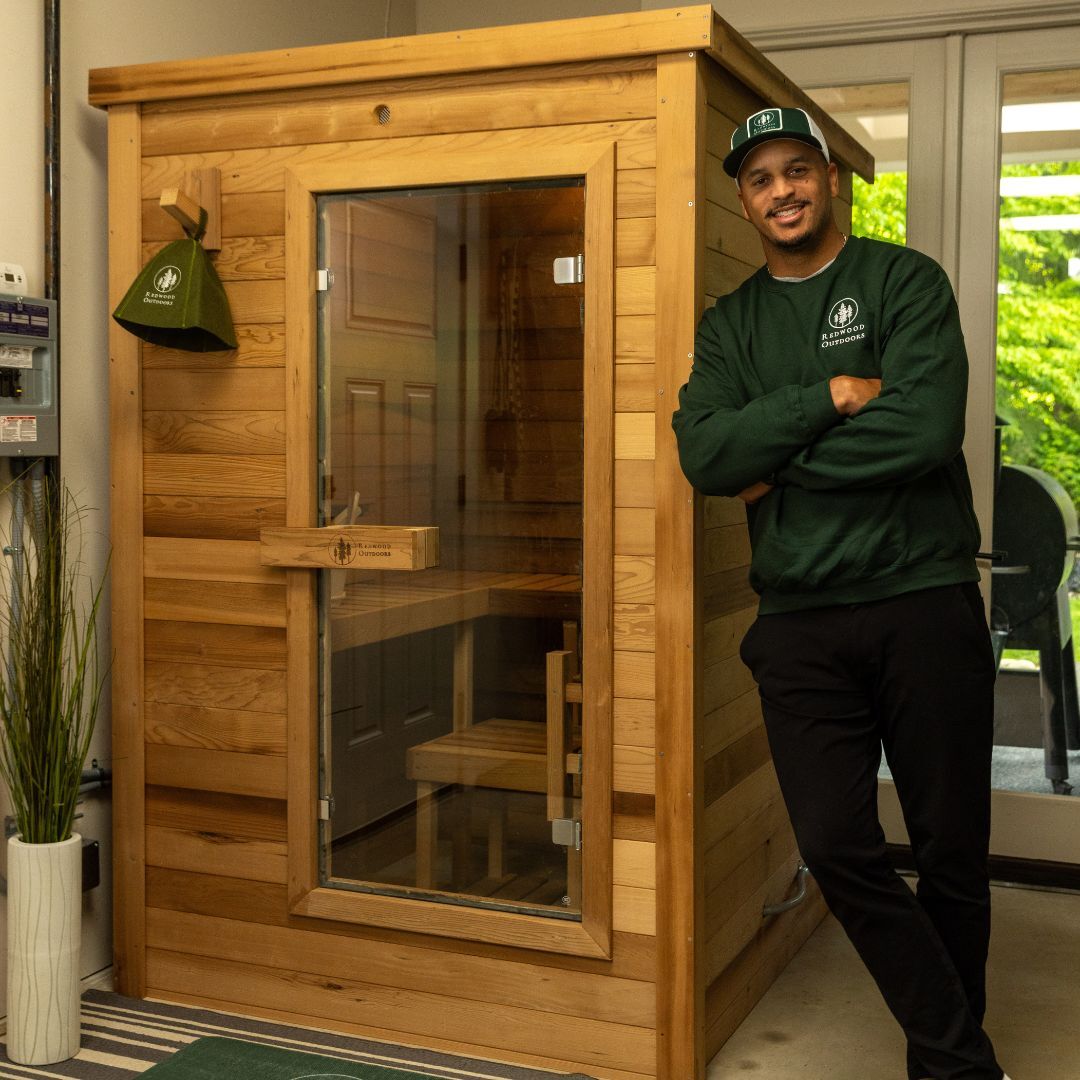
<point>324,280</point>
<point>566,832</point>
<point>569,270</point>
<point>326,807</point>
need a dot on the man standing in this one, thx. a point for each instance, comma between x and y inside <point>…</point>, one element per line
<point>828,392</point>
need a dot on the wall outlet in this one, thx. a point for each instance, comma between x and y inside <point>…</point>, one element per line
<point>12,279</point>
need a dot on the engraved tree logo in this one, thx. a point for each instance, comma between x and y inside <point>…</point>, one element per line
<point>843,313</point>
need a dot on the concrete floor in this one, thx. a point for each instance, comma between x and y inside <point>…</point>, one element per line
<point>824,1019</point>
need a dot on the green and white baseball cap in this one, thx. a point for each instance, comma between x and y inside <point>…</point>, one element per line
<point>769,124</point>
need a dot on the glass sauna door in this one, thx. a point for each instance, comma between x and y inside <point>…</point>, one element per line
<point>450,395</point>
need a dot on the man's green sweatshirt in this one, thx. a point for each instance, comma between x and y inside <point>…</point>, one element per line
<point>866,506</point>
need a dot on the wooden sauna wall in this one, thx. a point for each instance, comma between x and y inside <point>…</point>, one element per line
<point>750,852</point>
<point>217,929</point>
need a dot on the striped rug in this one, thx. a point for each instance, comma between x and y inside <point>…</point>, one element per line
<point>122,1037</point>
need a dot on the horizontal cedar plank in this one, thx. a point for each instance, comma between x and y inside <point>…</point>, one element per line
<point>635,483</point>
<point>722,815</point>
<point>722,902</point>
<point>634,769</point>
<point>719,187</point>
<point>634,864</point>
<point>214,474</point>
<point>635,722</point>
<point>635,627</point>
<point>635,242</point>
<point>241,857</point>
<point>416,109</point>
<point>255,213</point>
<point>635,531</point>
<point>430,158</point>
<point>724,273</point>
<point>635,675</point>
<point>239,730</point>
<point>723,636</point>
<point>241,258</point>
<point>364,1031</point>
<point>635,194</point>
<point>207,560</point>
<point>748,836</point>
<point>741,984</point>
<point>731,721</point>
<point>231,390</point>
<point>214,643</point>
<point>211,431</point>
<point>258,345</point>
<point>735,763</point>
<point>720,510</point>
<point>634,816</point>
<point>731,234</point>
<point>633,956</point>
<point>409,1012</point>
<point>228,602</point>
<point>213,687</point>
<point>635,339</point>
<point>726,680</point>
<point>211,811</point>
<point>726,548</point>
<point>211,516</point>
<point>726,592</point>
<point>635,432</point>
<point>633,910</point>
<point>460,975</point>
<point>262,775</point>
<point>635,290</point>
<point>635,579</point>
<point>747,920</point>
<point>635,393</point>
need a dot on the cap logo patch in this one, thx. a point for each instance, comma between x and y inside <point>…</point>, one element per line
<point>766,120</point>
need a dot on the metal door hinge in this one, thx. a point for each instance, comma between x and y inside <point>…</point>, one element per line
<point>566,832</point>
<point>326,807</point>
<point>570,270</point>
<point>324,280</point>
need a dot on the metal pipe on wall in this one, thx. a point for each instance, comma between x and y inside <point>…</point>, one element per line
<point>52,182</point>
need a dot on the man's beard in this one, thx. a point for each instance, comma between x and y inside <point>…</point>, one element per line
<point>813,235</point>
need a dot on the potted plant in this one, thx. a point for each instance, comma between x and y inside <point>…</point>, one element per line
<point>50,690</point>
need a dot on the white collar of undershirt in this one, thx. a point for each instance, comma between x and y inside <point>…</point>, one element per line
<point>819,270</point>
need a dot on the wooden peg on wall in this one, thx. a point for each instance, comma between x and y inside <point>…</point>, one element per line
<point>202,190</point>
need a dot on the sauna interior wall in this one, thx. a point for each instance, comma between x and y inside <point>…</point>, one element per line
<point>750,853</point>
<point>214,467</point>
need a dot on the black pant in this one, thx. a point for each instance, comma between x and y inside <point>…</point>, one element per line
<point>914,673</point>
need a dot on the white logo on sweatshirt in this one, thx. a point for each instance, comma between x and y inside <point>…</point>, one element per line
<point>845,328</point>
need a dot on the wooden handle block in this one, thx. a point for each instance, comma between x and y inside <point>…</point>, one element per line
<point>353,547</point>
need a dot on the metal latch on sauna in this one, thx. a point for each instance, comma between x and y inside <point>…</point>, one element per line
<point>326,807</point>
<point>569,270</point>
<point>566,832</point>
<point>324,280</point>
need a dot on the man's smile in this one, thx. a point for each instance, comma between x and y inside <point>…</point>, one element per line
<point>788,210</point>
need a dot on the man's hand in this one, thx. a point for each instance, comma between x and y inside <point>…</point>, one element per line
<point>850,393</point>
<point>754,492</point>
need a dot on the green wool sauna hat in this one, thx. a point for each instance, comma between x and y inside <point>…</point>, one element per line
<point>178,300</point>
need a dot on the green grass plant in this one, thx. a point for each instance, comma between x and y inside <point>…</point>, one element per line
<point>51,676</point>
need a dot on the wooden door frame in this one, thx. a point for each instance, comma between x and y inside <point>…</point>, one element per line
<point>426,162</point>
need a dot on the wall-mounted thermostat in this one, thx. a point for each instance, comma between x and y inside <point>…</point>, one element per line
<point>12,279</point>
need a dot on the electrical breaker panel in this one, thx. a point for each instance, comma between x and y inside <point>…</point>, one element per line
<point>29,425</point>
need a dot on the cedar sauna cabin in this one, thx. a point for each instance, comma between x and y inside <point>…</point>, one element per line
<point>429,720</point>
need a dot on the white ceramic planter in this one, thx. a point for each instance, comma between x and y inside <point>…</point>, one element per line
<point>44,928</point>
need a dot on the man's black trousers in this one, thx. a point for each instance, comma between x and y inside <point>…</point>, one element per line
<point>915,674</point>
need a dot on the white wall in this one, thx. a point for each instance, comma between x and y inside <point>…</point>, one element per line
<point>105,33</point>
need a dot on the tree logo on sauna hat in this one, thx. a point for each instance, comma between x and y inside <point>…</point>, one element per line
<point>167,279</point>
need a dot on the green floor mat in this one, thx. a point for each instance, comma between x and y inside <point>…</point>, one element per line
<point>218,1059</point>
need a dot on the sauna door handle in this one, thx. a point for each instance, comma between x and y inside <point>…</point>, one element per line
<point>351,547</point>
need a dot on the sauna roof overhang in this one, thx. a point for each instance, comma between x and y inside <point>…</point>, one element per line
<point>639,33</point>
